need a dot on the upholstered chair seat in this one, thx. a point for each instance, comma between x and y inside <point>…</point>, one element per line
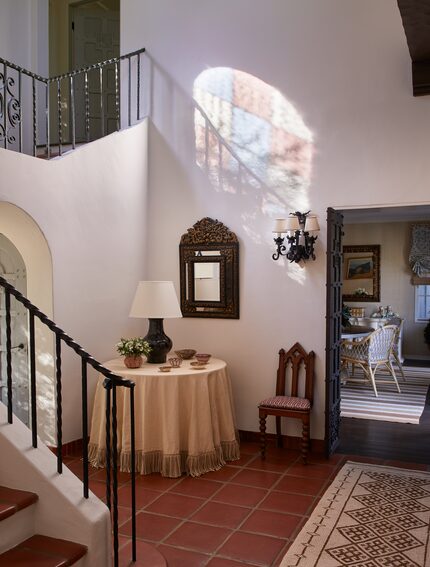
<point>286,402</point>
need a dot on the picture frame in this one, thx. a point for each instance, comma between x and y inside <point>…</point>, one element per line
<point>361,273</point>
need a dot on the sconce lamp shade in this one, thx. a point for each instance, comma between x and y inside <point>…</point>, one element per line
<point>312,224</point>
<point>280,225</point>
<point>155,300</point>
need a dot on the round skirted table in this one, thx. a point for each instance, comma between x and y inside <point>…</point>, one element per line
<point>184,419</point>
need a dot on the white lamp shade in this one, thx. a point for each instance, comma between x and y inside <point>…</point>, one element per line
<point>155,300</point>
<point>292,223</point>
<point>312,224</point>
<point>280,225</point>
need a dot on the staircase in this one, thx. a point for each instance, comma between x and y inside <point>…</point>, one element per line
<point>26,547</point>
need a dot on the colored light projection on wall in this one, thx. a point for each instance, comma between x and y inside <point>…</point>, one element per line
<point>249,136</point>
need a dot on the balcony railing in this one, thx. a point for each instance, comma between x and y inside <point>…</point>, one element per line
<point>46,115</point>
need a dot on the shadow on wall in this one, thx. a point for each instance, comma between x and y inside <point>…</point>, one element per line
<point>247,139</point>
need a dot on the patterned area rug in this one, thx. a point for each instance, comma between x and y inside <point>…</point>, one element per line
<point>370,516</point>
<point>358,399</point>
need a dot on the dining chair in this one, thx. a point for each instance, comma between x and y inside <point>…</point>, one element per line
<point>371,353</point>
<point>292,405</point>
<point>398,322</point>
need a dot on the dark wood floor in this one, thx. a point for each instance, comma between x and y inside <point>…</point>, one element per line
<point>386,440</point>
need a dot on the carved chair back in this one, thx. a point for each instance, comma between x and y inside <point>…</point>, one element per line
<point>301,364</point>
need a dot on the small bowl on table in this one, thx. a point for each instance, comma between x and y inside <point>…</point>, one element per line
<point>175,362</point>
<point>186,353</point>
<point>203,357</point>
<point>165,368</point>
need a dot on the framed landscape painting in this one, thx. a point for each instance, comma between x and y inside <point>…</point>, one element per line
<point>361,273</point>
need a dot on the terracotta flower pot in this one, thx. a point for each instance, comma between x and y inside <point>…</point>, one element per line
<point>133,361</point>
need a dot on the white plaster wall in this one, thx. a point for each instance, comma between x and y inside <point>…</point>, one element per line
<point>91,207</point>
<point>345,67</point>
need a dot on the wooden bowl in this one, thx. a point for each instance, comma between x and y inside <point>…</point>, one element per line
<point>186,353</point>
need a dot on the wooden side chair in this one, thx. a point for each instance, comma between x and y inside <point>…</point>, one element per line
<point>282,405</point>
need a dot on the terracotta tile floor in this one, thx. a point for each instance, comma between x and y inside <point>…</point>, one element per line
<point>247,513</point>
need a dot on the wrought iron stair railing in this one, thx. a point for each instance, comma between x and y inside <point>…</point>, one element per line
<point>111,383</point>
<point>30,102</point>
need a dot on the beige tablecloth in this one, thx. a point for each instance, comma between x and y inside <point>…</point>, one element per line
<point>184,419</point>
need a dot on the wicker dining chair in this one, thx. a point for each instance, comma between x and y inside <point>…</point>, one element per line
<point>398,322</point>
<point>371,353</point>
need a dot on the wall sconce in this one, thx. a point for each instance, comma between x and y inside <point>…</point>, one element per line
<point>297,229</point>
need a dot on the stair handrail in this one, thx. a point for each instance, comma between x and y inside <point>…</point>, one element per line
<point>111,382</point>
<point>73,72</point>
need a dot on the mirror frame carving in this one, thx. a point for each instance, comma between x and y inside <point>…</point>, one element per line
<point>375,251</point>
<point>207,235</point>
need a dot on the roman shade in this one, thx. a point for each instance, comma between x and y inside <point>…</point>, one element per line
<point>419,256</point>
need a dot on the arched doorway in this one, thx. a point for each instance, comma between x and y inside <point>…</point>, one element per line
<point>25,236</point>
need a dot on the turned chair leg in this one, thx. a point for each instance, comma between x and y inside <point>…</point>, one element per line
<point>263,435</point>
<point>279,442</point>
<point>305,440</point>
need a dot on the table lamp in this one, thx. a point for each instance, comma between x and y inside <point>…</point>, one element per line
<point>156,301</point>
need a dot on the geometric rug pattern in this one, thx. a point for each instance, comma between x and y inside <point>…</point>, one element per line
<point>359,401</point>
<point>370,516</point>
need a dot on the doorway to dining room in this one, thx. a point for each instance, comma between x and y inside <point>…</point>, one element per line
<point>392,424</point>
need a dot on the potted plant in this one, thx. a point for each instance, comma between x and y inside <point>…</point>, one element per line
<point>132,350</point>
<point>427,334</point>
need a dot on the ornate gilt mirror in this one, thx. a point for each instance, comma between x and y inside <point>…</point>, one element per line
<point>209,271</point>
<point>361,273</point>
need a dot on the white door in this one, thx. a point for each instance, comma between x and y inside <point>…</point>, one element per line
<point>12,268</point>
<point>95,31</point>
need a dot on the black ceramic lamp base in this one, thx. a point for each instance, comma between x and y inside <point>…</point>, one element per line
<point>158,341</point>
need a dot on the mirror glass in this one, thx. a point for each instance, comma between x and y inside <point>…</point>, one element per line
<point>361,273</point>
<point>209,276</point>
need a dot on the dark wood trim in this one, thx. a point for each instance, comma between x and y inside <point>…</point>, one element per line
<point>71,448</point>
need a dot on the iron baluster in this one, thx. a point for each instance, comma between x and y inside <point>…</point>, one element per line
<point>108,385</point>
<point>5,105</point>
<point>34,117</point>
<point>20,110</point>
<point>138,87</point>
<point>8,357</point>
<point>102,108</point>
<point>85,426</point>
<point>133,473</point>
<point>48,142</point>
<point>33,378</point>
<point>72,110</point>
<point>87,108</point>
<point>59,404</point>
<point>115,476</point>
<point>60,119</point>
<point>129,91</point>
<point>118,121</point>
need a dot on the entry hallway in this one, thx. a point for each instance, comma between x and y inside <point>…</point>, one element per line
<point>247,513</point>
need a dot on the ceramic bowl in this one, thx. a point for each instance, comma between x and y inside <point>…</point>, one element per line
<point>196,364</point>
<point>175,362</point>
<point>203,357</point>
<point>165,368</point>
<point>186,353</point>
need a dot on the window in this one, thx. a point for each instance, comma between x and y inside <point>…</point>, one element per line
<point>422,303</point>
